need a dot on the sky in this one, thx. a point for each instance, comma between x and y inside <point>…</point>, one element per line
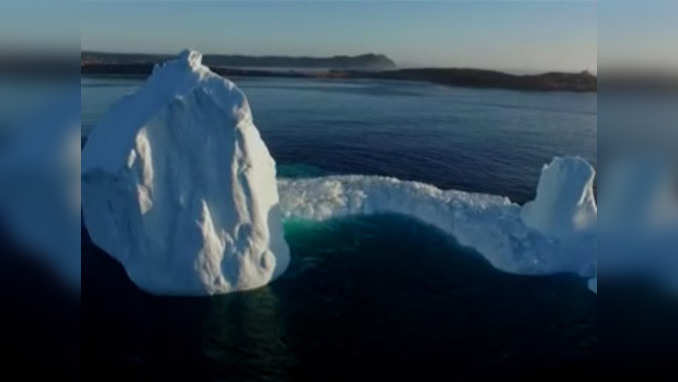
<point>508,35</point>
<point>518,36</point>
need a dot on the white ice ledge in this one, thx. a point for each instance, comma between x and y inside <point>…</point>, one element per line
<point>549,235</point>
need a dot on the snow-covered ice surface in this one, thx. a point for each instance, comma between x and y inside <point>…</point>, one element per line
<point>552,234</point>
<point>180,188</point>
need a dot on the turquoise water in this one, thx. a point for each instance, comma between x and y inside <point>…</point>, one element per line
<point>369,297</point>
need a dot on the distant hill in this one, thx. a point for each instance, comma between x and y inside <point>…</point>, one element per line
<point>142,65</point>
<point>480,78</point>
<point>362,62</point>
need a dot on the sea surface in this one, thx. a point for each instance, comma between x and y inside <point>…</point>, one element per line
<point>479,140</point>
<point>381,297</point>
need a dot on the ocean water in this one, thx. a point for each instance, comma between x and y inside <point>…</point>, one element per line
<point>365,297</point>
<point>480,140</point>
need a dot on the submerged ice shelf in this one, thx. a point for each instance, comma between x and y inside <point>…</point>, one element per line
<point>180,188</point>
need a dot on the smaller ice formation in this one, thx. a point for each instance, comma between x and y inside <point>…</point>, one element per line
<point>565,203</point>
<point>593,284</point>
<point>180,188</point>
<point>549,235</point>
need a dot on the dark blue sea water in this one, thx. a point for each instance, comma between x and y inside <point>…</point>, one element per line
<point>379,297</point>
<point>493,141</point>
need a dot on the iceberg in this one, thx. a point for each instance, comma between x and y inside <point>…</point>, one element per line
<point>565,203</point>
<point>179,187</point>
<point>552,234</point>
<point>593,285</point>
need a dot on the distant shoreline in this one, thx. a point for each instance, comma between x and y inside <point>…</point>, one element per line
<point>480,78</point>
<point>368,61</point>
<point>365,66</point>
<point>473,78</point>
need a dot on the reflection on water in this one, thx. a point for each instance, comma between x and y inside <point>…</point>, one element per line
<point>244,335</point>
<point>381,295</point>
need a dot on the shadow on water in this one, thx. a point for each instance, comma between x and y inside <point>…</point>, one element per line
<point>378,296</point>
<point>40,320</point>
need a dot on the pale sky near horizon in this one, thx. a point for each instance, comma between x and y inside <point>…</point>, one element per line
<point>518,36</point>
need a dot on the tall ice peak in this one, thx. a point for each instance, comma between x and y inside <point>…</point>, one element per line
<point>192,58</point>
<point>180,188</point>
